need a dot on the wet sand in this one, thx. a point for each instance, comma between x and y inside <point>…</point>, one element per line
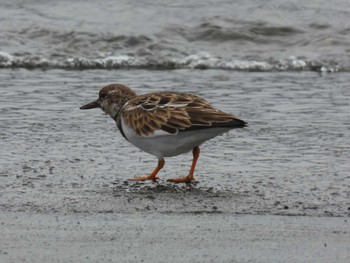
<point>174,237</point>
<point>293,159</point>
<point>277,191</point>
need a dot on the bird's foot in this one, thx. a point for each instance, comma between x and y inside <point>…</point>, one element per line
<point>144,178</point>
<point>185,179</point>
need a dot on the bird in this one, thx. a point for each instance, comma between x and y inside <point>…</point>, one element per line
<point>164,124</point>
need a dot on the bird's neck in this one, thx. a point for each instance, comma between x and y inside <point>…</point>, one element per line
<point>117,109</point>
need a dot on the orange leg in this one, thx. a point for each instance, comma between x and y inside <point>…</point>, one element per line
<point>189,178</point>
<point>153,176</point>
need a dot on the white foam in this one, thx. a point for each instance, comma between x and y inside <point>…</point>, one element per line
<point>201,60</point>
<point>6,59</point>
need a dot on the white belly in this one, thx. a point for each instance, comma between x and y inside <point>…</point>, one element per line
<point>167,145</point>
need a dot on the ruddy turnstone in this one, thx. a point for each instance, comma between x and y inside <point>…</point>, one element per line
<point>164,124</point>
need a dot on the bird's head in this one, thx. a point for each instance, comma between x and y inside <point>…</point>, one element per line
<point>111,98</point>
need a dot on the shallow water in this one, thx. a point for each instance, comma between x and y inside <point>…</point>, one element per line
<point>291,160</point>
<point>240,35</point>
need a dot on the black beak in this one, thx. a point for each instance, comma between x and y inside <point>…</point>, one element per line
<point>91,105</point>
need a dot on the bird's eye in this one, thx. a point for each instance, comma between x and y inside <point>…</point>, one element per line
<point>103,95</point>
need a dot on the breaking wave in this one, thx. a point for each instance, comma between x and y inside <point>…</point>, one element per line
<point>195,61</point>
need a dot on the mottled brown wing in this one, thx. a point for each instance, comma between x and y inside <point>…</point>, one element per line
<point>171,113</point>
<point>203,114</point>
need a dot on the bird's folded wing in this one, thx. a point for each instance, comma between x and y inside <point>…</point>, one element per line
<point>169,113</point>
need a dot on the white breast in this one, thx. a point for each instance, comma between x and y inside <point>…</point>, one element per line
<point>162,144</point>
